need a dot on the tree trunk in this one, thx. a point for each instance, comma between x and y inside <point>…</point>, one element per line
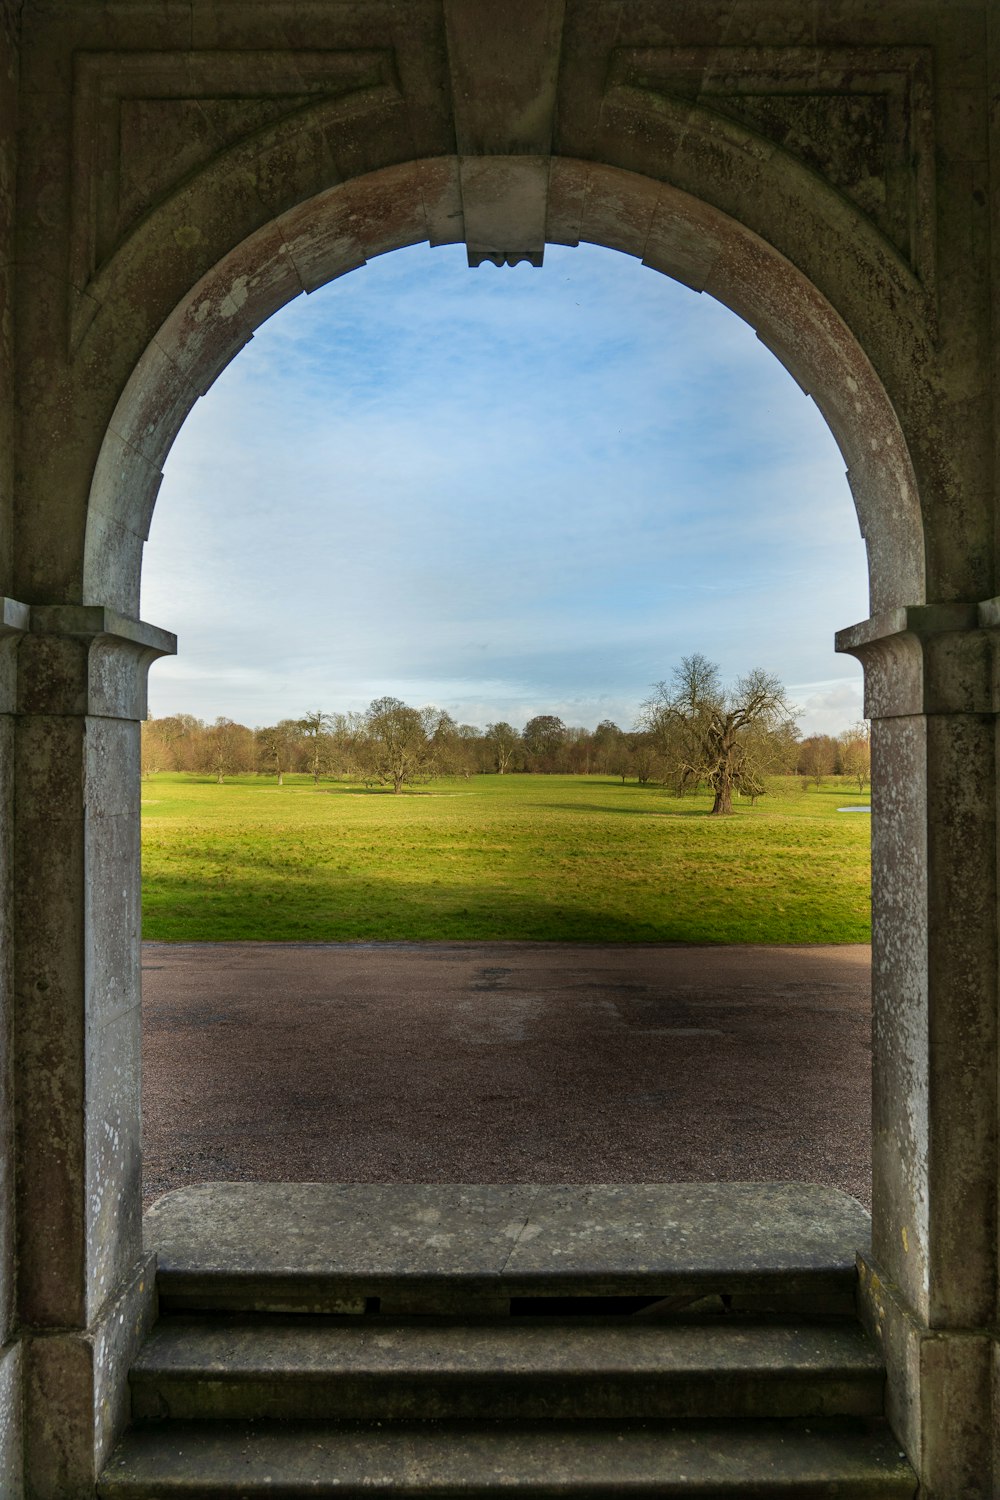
<point>281,778</point>
<point>723,804</point>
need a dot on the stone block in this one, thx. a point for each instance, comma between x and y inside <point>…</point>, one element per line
<point>683,240</point>
<point>147,422</point>
<point>7,1202</point>
<point>504,63</point>
<point>441,188</point>
<point>49,770</point>
<point>125,478</point>
<point>113,917</point>
<point>319,239</point>
<point>503,202</point>
<point>11,1423</point>
<point>113,550</point>
<point>113,1155</point>
<point>619,211</point>
<point>569,183</point>
<point>76,1391</point>
<point>387,209</point>
<point>310,1243</point>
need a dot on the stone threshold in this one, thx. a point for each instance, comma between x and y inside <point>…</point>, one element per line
<point>335,1247</point>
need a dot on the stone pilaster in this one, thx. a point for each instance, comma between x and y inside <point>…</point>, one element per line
<point>84,1291</point>
<point>929,1287</point>
<point>14,619</point>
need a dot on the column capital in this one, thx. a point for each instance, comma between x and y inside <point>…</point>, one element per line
<point>928,658</point>
<point>87,659</point>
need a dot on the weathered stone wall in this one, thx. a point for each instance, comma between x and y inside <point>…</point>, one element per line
<point>826,171</point>
<point>10,1351</point>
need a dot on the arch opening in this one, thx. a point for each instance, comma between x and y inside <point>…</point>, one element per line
<point>667,229</point>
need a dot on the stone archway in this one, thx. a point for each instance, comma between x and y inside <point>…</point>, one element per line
<point>174,186</point>
<point>679,236</point>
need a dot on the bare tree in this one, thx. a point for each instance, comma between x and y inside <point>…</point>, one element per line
<point>856,754</point>
<point>724,738</point>
<point>676,719</point>
<point>227,749</point>
<point>314,728</point>
<point>504,742</point>
<point>397,745</point>
<point>275,745</point>
<point>817,757</point>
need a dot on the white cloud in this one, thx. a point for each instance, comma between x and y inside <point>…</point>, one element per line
<point>828,707</point>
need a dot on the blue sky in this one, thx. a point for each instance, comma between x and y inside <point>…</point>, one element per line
<point>504,492</point>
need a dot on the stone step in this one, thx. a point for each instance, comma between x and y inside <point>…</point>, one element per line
<point>307,1368</point>
<point>343,1248</point>
<point>843,1460</point>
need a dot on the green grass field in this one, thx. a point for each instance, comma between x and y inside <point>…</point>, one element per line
<point>541,857</point>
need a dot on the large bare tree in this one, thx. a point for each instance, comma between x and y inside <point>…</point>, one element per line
<point>397,742</point>
<point>725,738</point>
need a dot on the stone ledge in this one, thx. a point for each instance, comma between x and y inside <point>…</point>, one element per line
<point>655,1460</point>
<point>320,1246</point>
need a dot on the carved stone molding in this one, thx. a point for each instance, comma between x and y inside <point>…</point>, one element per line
<point>85,659</point>
<point>928,659</point>
<point>146,122</point>
<point>860,118</point>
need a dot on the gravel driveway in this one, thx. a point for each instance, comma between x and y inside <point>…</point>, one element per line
<point>505,1062</point>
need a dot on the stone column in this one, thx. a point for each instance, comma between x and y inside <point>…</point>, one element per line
<point>84,1289</point>
<point>929,1287</point>
<point>14,619</point>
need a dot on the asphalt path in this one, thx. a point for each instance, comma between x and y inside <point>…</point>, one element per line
<point>505,1062</point>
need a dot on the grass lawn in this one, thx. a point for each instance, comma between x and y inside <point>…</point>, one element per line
<point>571,858</point>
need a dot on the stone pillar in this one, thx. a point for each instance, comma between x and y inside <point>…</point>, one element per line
<point>13,624</point>
<point>929,1287</point>
<point>84,1289</point>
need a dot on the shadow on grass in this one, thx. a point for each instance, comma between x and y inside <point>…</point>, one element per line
<point>635,812</point>
<point>296,908</point>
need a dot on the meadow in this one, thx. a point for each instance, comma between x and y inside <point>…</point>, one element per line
<point>567,858</point>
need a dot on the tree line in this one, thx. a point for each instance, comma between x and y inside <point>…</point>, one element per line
<point>691,732</point>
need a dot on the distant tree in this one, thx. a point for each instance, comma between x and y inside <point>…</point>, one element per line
<point>314,727</point>
<point>676,717</point>
<point>227,749</point>
<point>621,761</point>
<point>724,738</point>
<point>818,756</point>
<point>543,740</point>
<point>470,749</point>
<point>856,754</point>
<point>644,757</point>
<point>606,743</point>
<point>155,752</point>
<point>504,741</point>
<point>397,742</point>
<point>276,747</point>
<point>577,755</point>
<point>181,736</point>
<point>452,745</point>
